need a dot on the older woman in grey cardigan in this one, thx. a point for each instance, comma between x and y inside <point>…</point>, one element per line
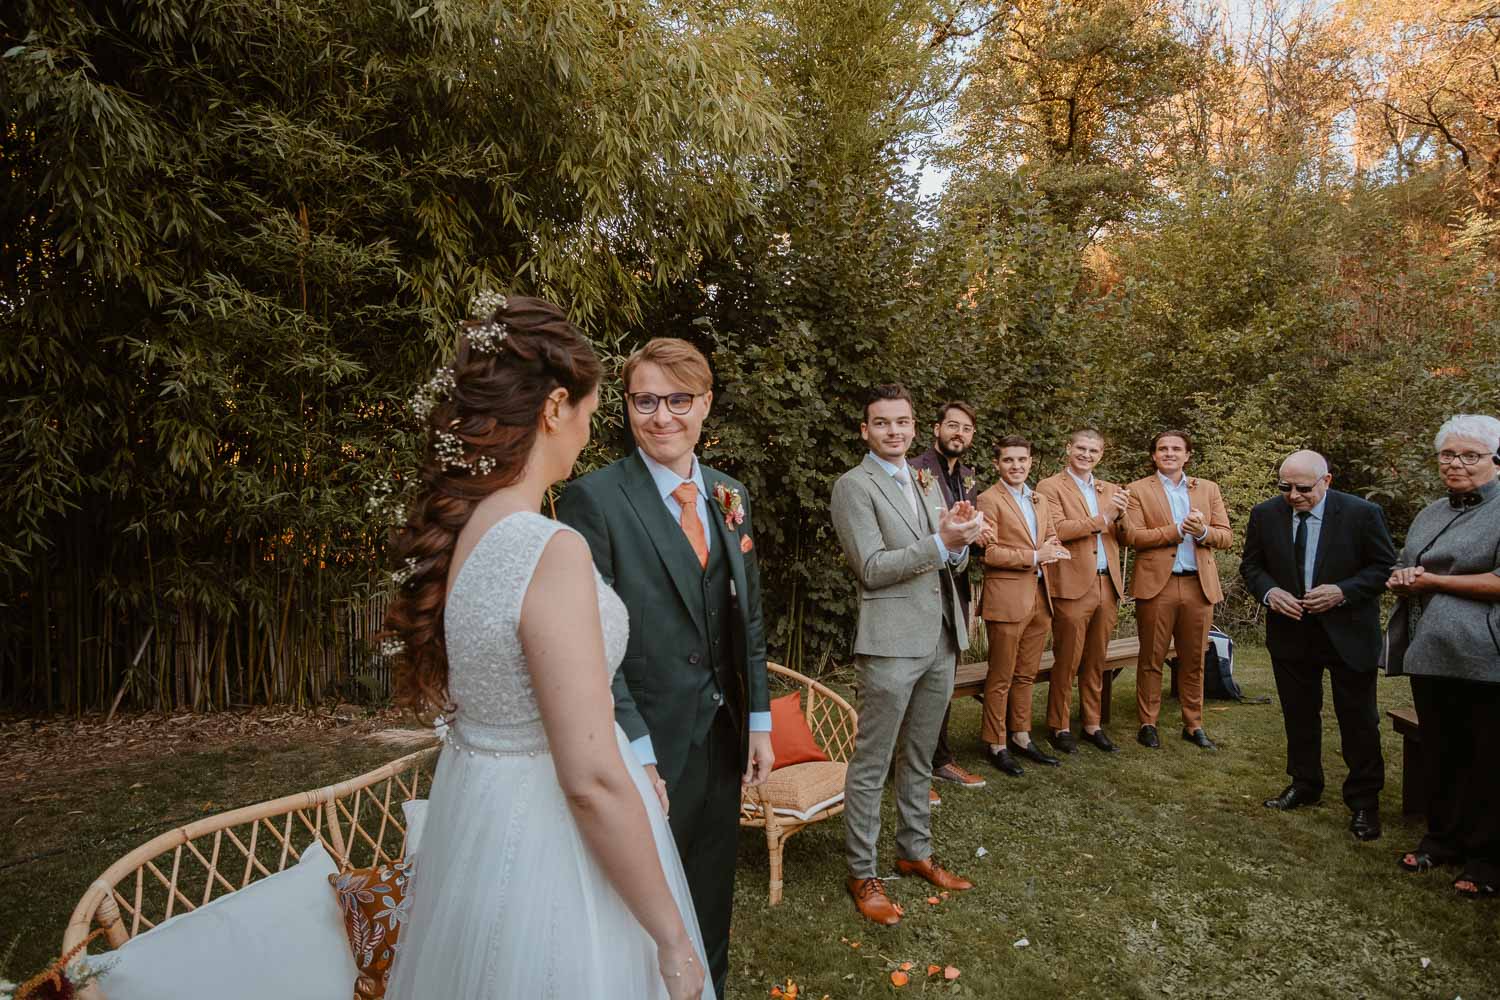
<point>1445,634</point>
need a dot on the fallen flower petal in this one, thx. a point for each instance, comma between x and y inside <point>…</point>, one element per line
<point>1022,943</point>
<point>933,900</point>
<point>933,970</point>
<point>950,973</point>
<point>905,966</point>
<point>899,978</point>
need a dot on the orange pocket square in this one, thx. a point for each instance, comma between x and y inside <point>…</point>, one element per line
<point>746,544</point>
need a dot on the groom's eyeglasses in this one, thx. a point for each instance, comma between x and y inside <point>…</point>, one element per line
<point>1288,487</point>
<point>645,403</point>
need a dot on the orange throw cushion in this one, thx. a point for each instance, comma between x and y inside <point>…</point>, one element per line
<point>374,904</point>
<point>791,741</point>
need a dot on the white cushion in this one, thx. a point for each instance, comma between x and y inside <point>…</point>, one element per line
<point>415,813</point>
<point>280,937</point>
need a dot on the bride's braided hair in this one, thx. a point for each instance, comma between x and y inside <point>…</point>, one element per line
<point>492,410</point>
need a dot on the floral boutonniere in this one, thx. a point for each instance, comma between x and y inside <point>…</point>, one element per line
<point>924,480</point>
<point>968,485</point>
<point>731,504</point>
<point>1192,482</point>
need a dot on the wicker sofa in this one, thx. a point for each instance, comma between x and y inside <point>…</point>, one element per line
<point>359,823</point>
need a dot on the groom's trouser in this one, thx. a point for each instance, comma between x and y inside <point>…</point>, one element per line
<point>901,706</point>
<point>705,821</point>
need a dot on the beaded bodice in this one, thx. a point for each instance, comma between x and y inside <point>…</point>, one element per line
<point>488,679</point>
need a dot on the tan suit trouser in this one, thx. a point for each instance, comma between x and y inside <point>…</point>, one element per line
<point>1180,614</point>
<point>1015,654</point>
<point>1080,644</point>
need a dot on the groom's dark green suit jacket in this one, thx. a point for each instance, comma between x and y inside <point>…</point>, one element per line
<point>683,663</point>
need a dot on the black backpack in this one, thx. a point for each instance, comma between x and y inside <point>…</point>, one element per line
<point>1218,668</point>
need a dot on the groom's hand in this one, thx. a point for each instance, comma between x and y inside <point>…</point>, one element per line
<point>659,787</point>
<point>761,759</point>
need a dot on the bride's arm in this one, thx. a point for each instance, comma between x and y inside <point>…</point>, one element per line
<point>564,646</point>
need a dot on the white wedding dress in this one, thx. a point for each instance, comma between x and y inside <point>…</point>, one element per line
<point>507,899</point>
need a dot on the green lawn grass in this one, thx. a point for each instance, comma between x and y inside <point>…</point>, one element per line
<point>1141,874</point>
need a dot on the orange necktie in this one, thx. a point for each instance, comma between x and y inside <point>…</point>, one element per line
<point>687,495</point>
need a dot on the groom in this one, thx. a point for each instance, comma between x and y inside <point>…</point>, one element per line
<point>904,545</point>
<point>673,538</point>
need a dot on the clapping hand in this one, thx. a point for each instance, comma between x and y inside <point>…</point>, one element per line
<point>1193,523</point>
<point>1120,499</point>
<point>1051,551</point>
<point>1323,597</point>
<point>960,526</point>
<point>988,535</point>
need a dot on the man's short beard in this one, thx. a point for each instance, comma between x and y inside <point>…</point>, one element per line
<point>946,449</point>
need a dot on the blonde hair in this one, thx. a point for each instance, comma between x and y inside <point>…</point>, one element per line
<point>683,363</point>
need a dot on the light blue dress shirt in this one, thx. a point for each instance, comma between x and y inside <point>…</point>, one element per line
<point>1186,559</point>
<point>1314,529</point>
<point>1028,511</point>
<point>666,481</point>
<point>896,472</point>
<point>1091,497</point>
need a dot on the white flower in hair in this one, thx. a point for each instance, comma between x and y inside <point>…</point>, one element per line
<point>437,389</point>
<point>487,336</point>
<point>450,449</point>
<point>486,304</point>
<point>392,647</point>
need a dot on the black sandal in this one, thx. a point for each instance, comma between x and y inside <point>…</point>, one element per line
<point>1416,861</point>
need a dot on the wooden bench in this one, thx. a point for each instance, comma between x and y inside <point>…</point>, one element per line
<point>1413,790</point>
<point>1122,653</point>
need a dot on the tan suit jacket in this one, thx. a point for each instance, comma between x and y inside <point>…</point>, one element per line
<point>1077,530</point>
<point>1151,531</point>
<point>1009,567</point>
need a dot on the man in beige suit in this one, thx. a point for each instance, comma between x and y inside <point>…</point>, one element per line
<point>904,545</point>
<point>1174,522</point>
<point>1087,588</point>
<point>1015,604</point>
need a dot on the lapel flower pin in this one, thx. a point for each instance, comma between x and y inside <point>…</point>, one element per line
<point>731,504</point>
<point>968,484</point>
<point>1192,482</point>
<point>924,480</point>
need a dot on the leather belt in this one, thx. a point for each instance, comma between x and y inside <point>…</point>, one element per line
<point>1184,572</point>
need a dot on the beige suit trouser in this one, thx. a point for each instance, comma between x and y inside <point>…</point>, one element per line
<point>1179,614</point>
<point>1081,628</point>
<point>1015,655</point>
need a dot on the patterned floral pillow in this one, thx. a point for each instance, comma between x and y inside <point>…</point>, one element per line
<point>374,904</point>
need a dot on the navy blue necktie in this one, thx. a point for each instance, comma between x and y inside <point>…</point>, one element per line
<point>1299,550</point>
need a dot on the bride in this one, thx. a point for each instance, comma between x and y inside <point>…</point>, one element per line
<point>546,866</point>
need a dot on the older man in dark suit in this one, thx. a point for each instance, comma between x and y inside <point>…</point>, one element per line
<point>1319,559</point>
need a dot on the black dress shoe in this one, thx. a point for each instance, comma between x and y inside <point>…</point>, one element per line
<point>1291,797</point>
<point>1035,753</point>
<point>1199,739</point>
<point>1147,737</point>
<point>1099,739</point>
<point>1003,762</point>
<point>1064,741</point>
<point>1365,824</point>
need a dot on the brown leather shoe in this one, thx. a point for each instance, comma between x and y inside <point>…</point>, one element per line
<point>872,902</point>
<point>933,798</point>
<point>934,873</point>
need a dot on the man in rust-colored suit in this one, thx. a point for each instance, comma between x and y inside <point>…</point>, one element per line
<point>1016,605</point>
<point>1174,522</point>
<point>1087,588</point>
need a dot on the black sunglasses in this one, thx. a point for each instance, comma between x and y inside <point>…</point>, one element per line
<point>645,403</point>
<point>1288,487</point>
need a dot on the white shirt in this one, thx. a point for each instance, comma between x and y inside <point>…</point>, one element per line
<point>1186,559</point>
<point>903,471</point>
<point>666,481</point>
<point>1091,497</point>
